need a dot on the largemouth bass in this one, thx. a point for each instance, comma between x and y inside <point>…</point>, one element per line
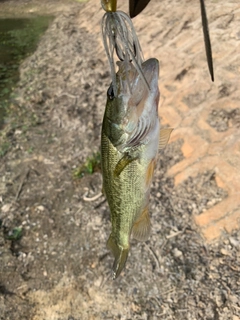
<point>129,147</point>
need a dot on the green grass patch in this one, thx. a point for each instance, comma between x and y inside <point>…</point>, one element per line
<point>15,234</point>
<point>4,147</point>
<point>93,164</point>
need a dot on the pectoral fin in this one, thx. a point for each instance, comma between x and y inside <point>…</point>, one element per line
<point>164,137</point>
<point>122,163</point>
<point>142,227</point>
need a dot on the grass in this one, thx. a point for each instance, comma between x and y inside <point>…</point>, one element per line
<point>4,147</point>
<point>15,234</point>
<point>18,39</point>
<point>92,164</point>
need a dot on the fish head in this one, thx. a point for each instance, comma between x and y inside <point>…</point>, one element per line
<point>135,92</point>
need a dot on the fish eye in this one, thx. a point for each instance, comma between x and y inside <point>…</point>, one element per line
<point>110,92</point>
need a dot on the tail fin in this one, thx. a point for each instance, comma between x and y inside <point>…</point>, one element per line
<point>120,254</point>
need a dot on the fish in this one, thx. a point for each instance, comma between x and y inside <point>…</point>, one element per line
<point>137,6</point>
<point>130,141</point>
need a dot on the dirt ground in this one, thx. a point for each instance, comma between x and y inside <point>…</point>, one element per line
<point>60,268</point>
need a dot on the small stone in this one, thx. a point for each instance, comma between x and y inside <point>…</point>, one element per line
<point>233,299</point>
<point>219,301</point>
<point>177,253</point>
<point>6,207</point>
<point>40,208</point>
<point>225,252</point>
<point>234,242</point>
<point>98,282</point>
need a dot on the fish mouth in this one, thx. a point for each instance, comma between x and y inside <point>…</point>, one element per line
<point>137,81</point>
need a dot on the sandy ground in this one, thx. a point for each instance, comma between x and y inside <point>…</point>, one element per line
<point>60,268</point>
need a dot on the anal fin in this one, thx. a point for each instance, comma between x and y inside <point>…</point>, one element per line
<point>149,173</point>
<point>164,137</point>
<point>142,227</point>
